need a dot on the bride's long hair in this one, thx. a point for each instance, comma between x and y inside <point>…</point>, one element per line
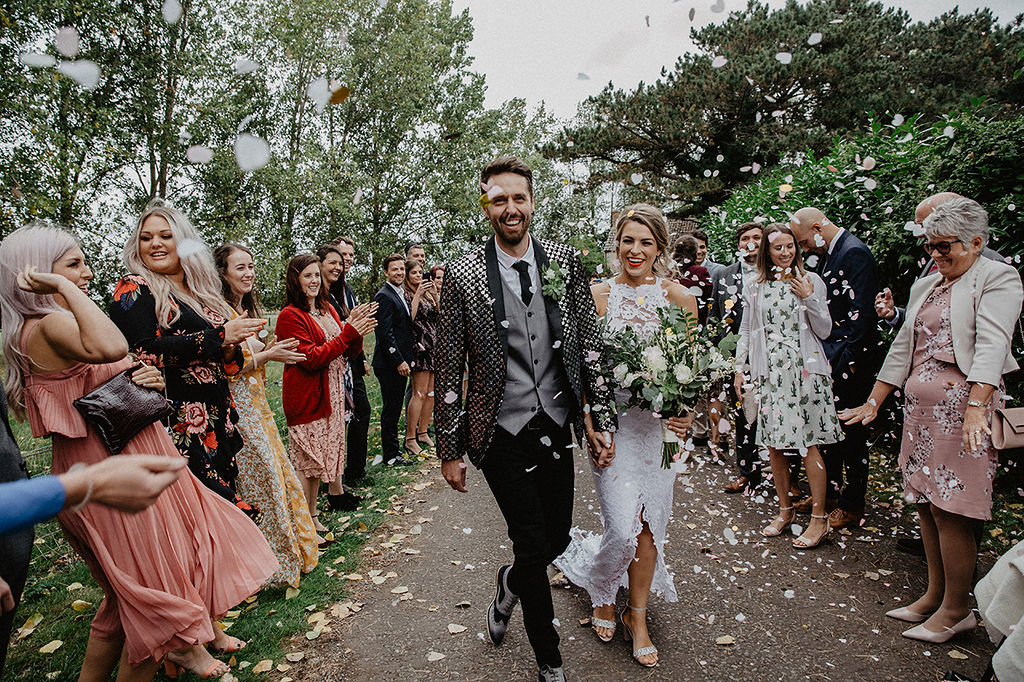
<point>39,244</point>
<point>202,288</point>
<point>653,219</point>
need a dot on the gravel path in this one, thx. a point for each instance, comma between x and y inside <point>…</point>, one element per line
<point>815,615</point>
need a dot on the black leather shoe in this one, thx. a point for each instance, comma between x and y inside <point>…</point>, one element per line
<point>550,674</point>
<point>344,502</point>
<point>500,610</point>
<point>400,461</point>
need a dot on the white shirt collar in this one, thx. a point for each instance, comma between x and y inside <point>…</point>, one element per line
<point>832,244</point>
<point>506,260</point>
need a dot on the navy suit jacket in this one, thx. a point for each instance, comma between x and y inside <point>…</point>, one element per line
<point>849,275</point>
<point>394,330</point>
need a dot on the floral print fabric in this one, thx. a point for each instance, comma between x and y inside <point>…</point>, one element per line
<point>267,479</point>
<point>795,407</point>
<point>190,353</point>
<point>936,468</point>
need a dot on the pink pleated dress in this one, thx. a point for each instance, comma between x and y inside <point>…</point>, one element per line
<point>168,569</point>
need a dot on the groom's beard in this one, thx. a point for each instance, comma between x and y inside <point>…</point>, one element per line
<point>511,235</point>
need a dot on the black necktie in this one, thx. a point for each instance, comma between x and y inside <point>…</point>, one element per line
<point>525,285</point>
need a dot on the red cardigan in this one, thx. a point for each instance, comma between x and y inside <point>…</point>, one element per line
<point>305,390</point>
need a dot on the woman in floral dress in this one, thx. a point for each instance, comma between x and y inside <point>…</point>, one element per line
<point>265,475</point>
<point>313,390</point>
<point>950,357</point>
<point>785,318</point>
<point>171,311</point>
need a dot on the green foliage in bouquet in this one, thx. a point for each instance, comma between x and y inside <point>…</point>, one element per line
<point>668,373</point>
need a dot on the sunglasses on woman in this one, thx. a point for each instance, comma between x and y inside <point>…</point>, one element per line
<point>942,247</point>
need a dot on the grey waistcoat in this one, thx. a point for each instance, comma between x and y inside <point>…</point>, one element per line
<point>536,380</point>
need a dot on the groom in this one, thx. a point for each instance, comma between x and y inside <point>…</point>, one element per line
<point>533,355</point>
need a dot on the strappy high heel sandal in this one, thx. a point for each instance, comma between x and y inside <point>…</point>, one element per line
<point>776,527</point>
<point>627,635</point>
<point>805,542</point>
<point>596,623</point>
<point>414,453</point>
<point>420,435</point>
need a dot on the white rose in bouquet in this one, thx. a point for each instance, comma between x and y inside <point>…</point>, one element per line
<point>655,359</point>
<point>684,374</point>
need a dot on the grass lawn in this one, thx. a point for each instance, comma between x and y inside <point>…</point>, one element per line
<point>61,591</point>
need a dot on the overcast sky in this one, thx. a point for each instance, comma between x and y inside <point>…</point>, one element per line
<point>537,49</point>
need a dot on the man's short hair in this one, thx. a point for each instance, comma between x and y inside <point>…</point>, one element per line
<point>345,240</point>
<point>413,245</point>
<point>507,164</point>
<point>391,259</point>
<point>747,227</point>
<point>701,235</point>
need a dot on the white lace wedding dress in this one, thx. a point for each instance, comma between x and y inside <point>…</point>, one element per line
<point>634,484</point>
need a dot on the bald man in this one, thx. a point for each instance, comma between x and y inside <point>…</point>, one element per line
<point>853,349</point>
<point>884,305</point>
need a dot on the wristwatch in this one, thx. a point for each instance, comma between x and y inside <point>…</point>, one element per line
<point>976,403</point>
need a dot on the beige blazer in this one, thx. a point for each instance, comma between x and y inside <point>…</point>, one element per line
<point>984,307</point>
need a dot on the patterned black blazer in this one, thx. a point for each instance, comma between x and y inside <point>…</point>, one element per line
<point>469,329</point>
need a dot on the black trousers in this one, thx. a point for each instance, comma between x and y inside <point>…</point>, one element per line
<point>748,461</point>
<point>355,437</point>
<point>533,486</point>
<point>846,462</point>
<point>15,552</point>
<point>392,392</point>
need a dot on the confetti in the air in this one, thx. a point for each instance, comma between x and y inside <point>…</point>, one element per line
<point>582,76</point>
<point>198,153</point>
<point>718,7</point>
<point>190,247</point>
<point>636,178</point>
<point>171,11</point>
<point>251,152</point>
<point>814,39</point>
<point>67,41</point>
<point>84,72</point>
<point>784,57</point>
<point>243,66</point>
<point>719,61</point>
<point>37,60</point>
<point>319,93</point>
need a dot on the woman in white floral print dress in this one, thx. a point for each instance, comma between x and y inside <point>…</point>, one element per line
<point>785,317</point>
<point>950,356</point>
<point>635,491</point>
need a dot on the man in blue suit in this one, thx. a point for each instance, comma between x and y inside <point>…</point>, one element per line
<point>392,355</point>
<point>853,349</point>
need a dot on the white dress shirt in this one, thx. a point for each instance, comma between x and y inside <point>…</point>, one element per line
<point>401,294</point>
<point>511,275</point>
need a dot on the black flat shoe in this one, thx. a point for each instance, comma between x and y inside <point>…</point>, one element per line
<point>400,462</point>
<point>344,502</point>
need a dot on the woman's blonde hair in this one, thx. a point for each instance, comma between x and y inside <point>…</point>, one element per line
<point>653,219</point>
<point>202,286</point>
<point>39,244</point>
<point>764,259</point>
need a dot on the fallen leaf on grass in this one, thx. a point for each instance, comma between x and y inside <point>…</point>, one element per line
<point>312,634</point>
<point>433,656</point>
<point>882,571</point>
<point>251,600</point>
<point>29,627</point>
<point>75,586</point>
<point>283,667</point>
<point>295,656</point>
<point>378,580</point>
<point>958,655</point>
<point>401,589</point>
<point>319,615</point>
<point>291,593</point>
<point>725,640</point>
<point>455,628</point>
<point>870,575</point>
<point>841,575</point>
<point>339,560</point>
<point>263,666</point>
<point>51,647</point>
<point>79,605</point>
<point>353,577</point>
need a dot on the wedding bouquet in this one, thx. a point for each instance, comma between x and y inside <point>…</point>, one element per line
<point>668,372</point>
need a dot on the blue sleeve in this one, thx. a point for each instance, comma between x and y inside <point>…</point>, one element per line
<point>27,502</point>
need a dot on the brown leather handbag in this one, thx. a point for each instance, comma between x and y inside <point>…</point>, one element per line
<point>119,408</point>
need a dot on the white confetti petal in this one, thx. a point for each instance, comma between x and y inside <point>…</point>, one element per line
<point>198,153</point>
<point>719,61</point>
<point>784,57</point>
<point>243,66</point>
<point>37,60</point>
<point>84,72</point>
<point>251,152</point>
<point>190,247</point>
<point>67,41</point>
<point>718,7</point>
<point>320,93</point>
<point>636,178</point>
<point>357,197</point>
<point>171,11</point>
<point>814,39</point>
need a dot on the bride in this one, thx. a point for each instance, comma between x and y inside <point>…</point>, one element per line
<point>635,491</point>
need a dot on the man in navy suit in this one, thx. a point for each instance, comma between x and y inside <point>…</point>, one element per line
<point>853,349</point>
<point>392,355</point>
